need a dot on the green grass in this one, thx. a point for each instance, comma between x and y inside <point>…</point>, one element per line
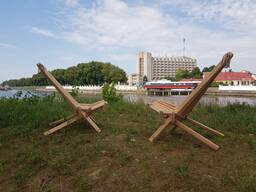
<point>121,158</point>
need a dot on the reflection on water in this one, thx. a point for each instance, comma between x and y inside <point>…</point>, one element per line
<point>205,100</point>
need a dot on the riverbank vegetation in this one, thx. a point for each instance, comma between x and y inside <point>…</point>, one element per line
<point>92,73</point>
<point>196,73</point>
<point>121,158</point>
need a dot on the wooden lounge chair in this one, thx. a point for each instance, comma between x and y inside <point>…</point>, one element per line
<point>81,111</point>
<point>176,114</point>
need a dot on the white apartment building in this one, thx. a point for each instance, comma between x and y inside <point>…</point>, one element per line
<point>159,67</point>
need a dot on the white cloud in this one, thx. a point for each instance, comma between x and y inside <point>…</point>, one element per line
<point>43,32</point>
<point>71,3</point>
<point>234,14</point>
<point>114,23</point>
<point>7,45</point>
<point>116,26</point>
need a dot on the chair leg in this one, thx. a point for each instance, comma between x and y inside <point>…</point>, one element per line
<point>173,129</point>
<point>62,125</point>
<point>197,136</point>
<point>90,121</point>
<point>62,120</point>
<point>157,133</point>
<point>205,127</point>
<point>93,124</point>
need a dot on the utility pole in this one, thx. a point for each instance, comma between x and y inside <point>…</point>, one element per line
<point>184,41</point>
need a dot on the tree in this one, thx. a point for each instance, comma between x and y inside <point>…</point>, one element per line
<point>39,80</point>
<point>144,80</point>
<point>196,73</point>
<point>170,78</point>
<point>208,69</point>
<point>181,74</point>
<point>92,73</point>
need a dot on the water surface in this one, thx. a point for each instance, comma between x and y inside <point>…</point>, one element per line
<point>205,100</point>
<point>175,99</point>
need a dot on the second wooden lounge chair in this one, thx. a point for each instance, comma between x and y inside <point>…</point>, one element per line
<point>81,111</point>
<point>175,115</point>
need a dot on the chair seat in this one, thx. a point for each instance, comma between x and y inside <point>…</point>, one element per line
<point>93,106</point>
<point>163,107</point>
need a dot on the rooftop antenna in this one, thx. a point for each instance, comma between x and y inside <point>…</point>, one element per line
<point>184,41</point>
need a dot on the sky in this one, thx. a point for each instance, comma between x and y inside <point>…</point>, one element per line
<point>63,33</point>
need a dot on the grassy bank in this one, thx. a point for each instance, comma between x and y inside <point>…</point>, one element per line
<point>121,158</point>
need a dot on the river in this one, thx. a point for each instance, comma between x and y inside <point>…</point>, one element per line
<point>11,93</point>
<point>206,100</point>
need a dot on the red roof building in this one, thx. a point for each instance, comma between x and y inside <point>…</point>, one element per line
<point>192,80</point>
<point>233,78</point>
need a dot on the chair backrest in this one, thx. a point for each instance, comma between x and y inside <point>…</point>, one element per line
<point>72,102</point>
<point>186,106</point>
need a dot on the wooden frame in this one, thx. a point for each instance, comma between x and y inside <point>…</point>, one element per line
<point>176,115</point>
<point>81,111</point>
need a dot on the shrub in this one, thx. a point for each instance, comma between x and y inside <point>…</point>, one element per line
<point>109,93</point>
<point>214,84</point>
<point>75,91</point>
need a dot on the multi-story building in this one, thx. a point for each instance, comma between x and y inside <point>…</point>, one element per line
<point>155,68</point>
<point>133,79</point>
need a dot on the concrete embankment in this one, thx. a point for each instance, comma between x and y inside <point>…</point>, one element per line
<point>96,92</point>
<point>217,92</point>
<point>211,91</point>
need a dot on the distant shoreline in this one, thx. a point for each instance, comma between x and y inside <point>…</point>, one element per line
<point>211,91</point>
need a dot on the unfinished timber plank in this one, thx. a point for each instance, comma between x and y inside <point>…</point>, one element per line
<point>205,127</point>
<point>90,121</point>
<point>98,105</point>
<point>194,97</point>
<point>160,109</point>
<point>197,135</point>
<point>93,124</point>
<point>167,104</point>
<point>62,120</point>
<point>157,133</point>
<point>62,125</point>
<point>72,102</point>
<point>152,106</point>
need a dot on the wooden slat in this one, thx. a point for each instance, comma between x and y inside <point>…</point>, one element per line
<point>204,127</point>
<point>152,106</point>
<point>197,135</point>
<point>98,105</point>
<point>93,106</point>
<point>195,96</point>
<point>62,125</point>
<point>157,133</point>
<point>167,104</point>
<point>72,102</point>
<point>160,109</point>
<point>62,120</point>
<point>90,121</point>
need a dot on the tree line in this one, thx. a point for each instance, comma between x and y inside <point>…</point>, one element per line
<point>196,73</point>
<point>92,73</point>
